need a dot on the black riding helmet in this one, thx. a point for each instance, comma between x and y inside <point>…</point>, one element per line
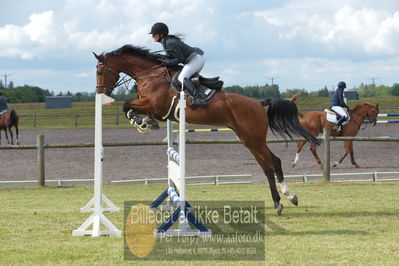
<point>159,28</point>
<point>341,85</point>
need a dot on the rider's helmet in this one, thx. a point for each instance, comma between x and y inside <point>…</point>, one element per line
<point>341,85</point>
<point>159,28</point>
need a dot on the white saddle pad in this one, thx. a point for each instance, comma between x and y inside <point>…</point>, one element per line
<point>2,112</point>
<point>333,118</point>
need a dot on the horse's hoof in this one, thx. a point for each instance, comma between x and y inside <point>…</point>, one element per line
<point>279,208</point>
<point>356,165</point>
<point>294,200</point>
<point>335,164</point>
<point>293,165</point>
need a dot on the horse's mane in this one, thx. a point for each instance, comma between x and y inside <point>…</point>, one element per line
<point>134,50</point>
<point>362,105</point>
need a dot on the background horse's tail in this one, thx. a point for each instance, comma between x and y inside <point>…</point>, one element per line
<point>14,120</point>
<point>283,119</point>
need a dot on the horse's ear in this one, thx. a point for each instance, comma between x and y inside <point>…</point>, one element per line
<point>97,56</point>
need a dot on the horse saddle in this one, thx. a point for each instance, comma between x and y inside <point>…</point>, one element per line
<point>206,86</point>
<point>4,111</point>
<point>333,116</point>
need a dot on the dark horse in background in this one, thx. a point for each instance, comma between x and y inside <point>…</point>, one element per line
<point>246,116</point>
<point>8,120</point>
<point>315,121</point>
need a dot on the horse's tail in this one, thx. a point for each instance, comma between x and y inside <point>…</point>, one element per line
<point>283,119</point>
<point>14,119</point>
<point>295,97</point>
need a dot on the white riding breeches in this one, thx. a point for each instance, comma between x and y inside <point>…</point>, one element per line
<point>340,110</point>
<point>194,66</point>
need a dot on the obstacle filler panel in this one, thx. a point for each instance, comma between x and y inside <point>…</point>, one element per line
<point>187,223</point>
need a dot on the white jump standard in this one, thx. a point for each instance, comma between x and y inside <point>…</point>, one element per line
<point>176,187</point>
<point>96,203</point>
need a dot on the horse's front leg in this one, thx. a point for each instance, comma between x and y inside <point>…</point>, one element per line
<point>350,148</point>
<point>132,110</point>
<point>346,151</point>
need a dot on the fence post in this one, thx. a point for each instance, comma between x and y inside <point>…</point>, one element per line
<point>117,118</point>
<point>40,160</point>
<point>76,119</point>
<point>34,119</point>
<point>326,155</point>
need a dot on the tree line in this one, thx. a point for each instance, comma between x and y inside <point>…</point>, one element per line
<point>26,93</point>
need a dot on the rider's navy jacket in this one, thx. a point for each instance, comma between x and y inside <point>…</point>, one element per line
<point>338,98</point>
<point>3,103</point>
<point>178,52</point>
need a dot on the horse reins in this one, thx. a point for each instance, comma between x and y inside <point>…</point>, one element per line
<point>166,76</point>
<point>364,116</point>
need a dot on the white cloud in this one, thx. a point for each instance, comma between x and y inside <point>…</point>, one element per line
<point>363,30</point>
<point>82,75</point>
<point>305,43</point>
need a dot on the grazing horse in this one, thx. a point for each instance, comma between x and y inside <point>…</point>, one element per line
<point>315,121</point>
<point>246,116</point>
<point>8,120</point>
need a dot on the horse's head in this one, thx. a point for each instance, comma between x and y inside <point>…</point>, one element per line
<point>371,112</point>
<point>107,78</point>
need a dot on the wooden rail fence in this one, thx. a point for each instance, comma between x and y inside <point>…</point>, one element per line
<point>41,146</point>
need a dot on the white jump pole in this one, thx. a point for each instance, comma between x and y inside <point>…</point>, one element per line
<point>176,178</point>
<point>95,204</point>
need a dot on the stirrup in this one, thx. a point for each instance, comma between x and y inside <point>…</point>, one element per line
<point>337,128</point>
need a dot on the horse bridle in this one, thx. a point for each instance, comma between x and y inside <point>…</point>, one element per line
<point>139,76</point>
<point>374,121</point>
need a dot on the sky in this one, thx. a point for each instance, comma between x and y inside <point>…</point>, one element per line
<point>296,43</point>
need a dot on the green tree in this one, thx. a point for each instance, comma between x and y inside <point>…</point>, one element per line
<point>323,92</point>
<point>395,89</point>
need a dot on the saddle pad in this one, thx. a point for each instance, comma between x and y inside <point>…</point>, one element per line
<point>329,111</point>
<point>3,112</point>
<point>333,118</point>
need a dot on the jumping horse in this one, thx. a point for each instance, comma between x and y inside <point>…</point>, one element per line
<point>246,116</point>
<point>315,121</point>
<point>8,120</point>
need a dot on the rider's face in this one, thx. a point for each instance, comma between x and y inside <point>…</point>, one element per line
<point>156,37</point>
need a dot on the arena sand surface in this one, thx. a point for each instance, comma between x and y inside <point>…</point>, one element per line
<point>150,161</point>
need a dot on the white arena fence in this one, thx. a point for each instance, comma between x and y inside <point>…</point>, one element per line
<point>115,118</point>
<point>212,179</point>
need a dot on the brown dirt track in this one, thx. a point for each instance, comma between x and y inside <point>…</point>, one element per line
<point>150,161</point>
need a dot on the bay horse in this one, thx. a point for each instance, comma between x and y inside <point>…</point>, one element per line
<point>315,121</point>
<point>246,116</point>
<point>8,120</point>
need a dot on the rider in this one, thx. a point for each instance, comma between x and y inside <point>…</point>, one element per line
<point>177,52</point>
<point>338,104</point>
<point>3,103</point>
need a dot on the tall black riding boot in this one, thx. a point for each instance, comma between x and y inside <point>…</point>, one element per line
<point>199,98</point>
<point>337,127</point>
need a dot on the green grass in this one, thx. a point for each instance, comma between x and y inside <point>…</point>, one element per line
<point>335,224</point>
<point>65,118</point>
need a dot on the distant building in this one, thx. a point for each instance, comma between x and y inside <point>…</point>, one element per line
<point>349,95</point>
<point>58,102</point>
